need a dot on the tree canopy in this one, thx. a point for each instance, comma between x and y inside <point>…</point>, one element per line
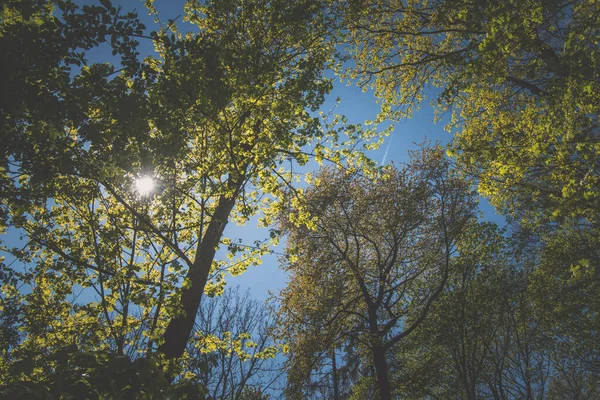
<point>121,168</point>
<point>520,81</point>
<point>380,251</point>
<point>210,119</point>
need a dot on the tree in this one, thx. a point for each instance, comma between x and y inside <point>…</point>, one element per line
<point>233,350</point>
<point>486,338</point>
<point>448,353</point>
<point>375,257</point>
<point>521,82</point>
<point>521,79</point>
<point>210,119</point>
<point>46,44</point>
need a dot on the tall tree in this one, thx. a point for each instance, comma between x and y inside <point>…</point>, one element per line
<point>47,86</point>
<point>249,80</point>
<point>377,251</point>
<point>207,124</point>
<point>521,81</point>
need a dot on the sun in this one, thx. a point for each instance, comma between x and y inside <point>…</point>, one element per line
<point>144,185</point>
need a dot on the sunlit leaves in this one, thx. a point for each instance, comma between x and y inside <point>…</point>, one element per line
<point>219,117</point>
<point>518,78</point>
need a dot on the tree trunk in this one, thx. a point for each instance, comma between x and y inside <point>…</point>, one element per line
<point>381,369</point>
<point>334,375</point>
<point>179,329</point>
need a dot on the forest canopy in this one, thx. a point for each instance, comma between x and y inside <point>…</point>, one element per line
<point>122,167</point>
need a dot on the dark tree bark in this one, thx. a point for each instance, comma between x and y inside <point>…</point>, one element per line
<point>381,369</point>
<point>179,329</point>
<point>334,375</point>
